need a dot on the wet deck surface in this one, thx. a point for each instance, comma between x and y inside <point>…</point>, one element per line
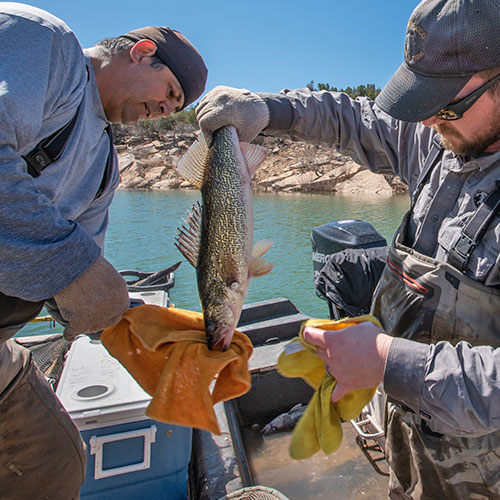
<point>346,474</point>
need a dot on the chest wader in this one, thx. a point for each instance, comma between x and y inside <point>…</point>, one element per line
<point>425,300</point>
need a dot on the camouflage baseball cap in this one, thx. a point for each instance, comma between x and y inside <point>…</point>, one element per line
<point>447,42</point>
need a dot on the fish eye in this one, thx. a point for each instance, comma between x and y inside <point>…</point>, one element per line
<point>210,327</point>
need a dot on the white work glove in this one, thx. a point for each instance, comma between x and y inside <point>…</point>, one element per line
<point>94,301</point>
<point>243,109</point>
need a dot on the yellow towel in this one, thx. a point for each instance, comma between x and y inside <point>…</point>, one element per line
<point>321,425</point>
<point>165,351</point>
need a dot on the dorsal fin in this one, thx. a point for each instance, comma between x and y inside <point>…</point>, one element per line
<point>192,165</point>
<point>187,240</point>
<point>254,156</point>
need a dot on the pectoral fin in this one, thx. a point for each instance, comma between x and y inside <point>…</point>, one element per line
<point>187,240</point>
<point>261,247</point>
<point>258,266</point>
<point>254,156</point>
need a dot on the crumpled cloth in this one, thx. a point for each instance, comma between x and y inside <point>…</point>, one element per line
<point>165,351</point>
<point>321,425</point>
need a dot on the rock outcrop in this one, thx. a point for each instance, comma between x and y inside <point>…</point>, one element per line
<point>149,163</point>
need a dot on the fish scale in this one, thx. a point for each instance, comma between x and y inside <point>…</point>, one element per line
<point>224,221</point>
<point>223,258</point>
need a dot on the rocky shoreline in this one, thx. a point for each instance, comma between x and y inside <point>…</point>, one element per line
<point>148,162</point>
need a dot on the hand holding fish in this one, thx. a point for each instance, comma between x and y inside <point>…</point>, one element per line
<point>242,109</point>
<point>355,356</point>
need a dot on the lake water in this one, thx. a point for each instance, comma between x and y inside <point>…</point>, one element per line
<point>143,227</point>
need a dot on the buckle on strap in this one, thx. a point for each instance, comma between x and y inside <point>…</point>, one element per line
<point>37,160</point>
<point>473,232</point>
<point>460,255</point>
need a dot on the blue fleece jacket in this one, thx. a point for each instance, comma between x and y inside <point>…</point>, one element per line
<point>52,227</point>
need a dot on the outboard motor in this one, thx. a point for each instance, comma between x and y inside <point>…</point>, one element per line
<point>344,264</point>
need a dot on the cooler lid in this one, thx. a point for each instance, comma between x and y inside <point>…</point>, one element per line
<point>94,385</point>
<point>153,297</point>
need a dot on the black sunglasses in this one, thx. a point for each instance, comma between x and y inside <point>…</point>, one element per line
<point>456,110</point>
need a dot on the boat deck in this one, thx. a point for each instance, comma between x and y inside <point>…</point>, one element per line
<point>242,456</point>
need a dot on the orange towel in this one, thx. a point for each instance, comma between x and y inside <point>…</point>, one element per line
<point>165,350</point>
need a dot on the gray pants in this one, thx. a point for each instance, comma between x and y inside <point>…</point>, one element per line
<point>42,455</point>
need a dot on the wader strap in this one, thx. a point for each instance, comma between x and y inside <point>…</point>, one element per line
<point>474,230</point>
<point>431,160</point>
<point>49,150</point>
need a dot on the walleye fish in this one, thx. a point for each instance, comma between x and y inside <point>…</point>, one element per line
<point>285,421</point>
<point>217,237</point>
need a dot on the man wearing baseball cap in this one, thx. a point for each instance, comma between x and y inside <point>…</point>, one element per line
<point>59,171</point>
<point>437,125</point>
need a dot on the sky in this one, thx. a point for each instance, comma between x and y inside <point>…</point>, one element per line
<point>261,45</point>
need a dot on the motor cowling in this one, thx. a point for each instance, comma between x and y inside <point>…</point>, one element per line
<point>334,237</point>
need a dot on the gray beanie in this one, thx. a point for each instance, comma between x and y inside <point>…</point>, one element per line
<point>447,42</point>
<point>175,51</point>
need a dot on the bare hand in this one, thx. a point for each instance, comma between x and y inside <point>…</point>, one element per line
<point>355,356</point>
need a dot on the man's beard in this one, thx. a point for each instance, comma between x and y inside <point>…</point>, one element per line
<point>468,147</point>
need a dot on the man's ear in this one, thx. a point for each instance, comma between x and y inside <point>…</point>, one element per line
<point>142,49</point>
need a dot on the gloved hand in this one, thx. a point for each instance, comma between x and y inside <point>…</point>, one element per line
<point>243,109</point>
<point>94,301</point>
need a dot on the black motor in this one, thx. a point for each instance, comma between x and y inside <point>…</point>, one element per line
<point>348,258</point>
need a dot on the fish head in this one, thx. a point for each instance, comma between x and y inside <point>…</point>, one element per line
<point>221,316</point>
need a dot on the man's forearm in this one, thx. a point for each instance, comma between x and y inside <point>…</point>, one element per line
<point>455,388</point>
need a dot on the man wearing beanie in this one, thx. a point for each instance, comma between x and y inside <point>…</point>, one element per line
<point>436,124</point>
<point>59,172</point>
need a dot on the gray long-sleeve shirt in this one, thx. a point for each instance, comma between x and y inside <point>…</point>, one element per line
<point>458,386</point>
<point>52,227</point>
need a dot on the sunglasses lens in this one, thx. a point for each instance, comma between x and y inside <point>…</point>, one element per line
<point>447,114</point>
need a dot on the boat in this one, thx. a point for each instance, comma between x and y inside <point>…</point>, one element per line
<point>133,457</point>
<point>241,457</point>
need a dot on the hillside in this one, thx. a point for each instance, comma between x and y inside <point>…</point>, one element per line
<point>148,161</point>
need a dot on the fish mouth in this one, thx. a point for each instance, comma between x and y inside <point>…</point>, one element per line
<point>219,337</point>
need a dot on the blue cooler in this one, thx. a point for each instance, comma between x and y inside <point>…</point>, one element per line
<point>129,456</point>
